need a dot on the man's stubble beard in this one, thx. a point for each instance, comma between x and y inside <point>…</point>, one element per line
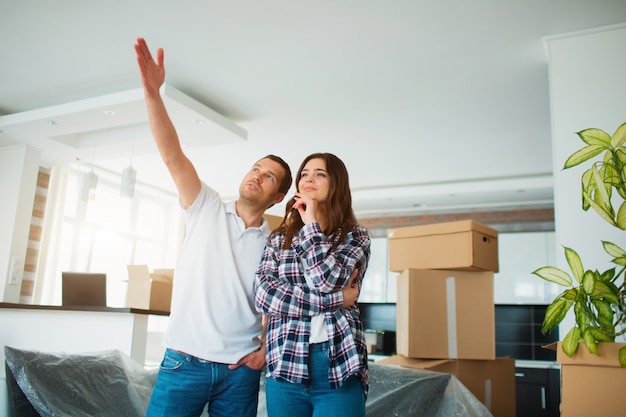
<point>252,198</point>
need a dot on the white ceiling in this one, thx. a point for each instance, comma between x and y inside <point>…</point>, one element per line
<point>431,105</point>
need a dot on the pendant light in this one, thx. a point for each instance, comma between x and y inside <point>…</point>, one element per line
<point>129,175</point>
<point>89,181</point>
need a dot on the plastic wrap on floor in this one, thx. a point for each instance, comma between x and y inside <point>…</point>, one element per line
<point>398,391</point>
<point>102,384</point>
<point>111,384</point>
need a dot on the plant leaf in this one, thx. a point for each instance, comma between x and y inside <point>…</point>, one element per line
<point>621,216</point>
<point>607,275</point>
<point>610,169</point>
<point>590,341</point>
<point>622,357</point>
<point>583,155</point>
<point>619,255</point>
<point>601,336</point>
<point>605,291</point>
<point>619,137</point>
<point>569,294</point>
<point>575,264</point>
<point>556,275</point>
<point>605,314</point>
<point>584,315</point>
<point>589,282</point>
<point>620,167</point>
<point>594,136</point>
<point>619,261</point>
<point>555,313</point>
<point>587,186</point>
<point>613,250</point>
<point>612,287</point>
<point>570,342</point>
<point>599,209</point>
<point>603,192</point>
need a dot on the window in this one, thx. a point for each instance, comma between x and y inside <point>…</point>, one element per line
<point>107,232</point>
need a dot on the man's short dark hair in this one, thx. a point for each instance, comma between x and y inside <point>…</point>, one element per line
<point>285,182</point>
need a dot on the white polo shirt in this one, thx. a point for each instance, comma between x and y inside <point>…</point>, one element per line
<point>212,315</point>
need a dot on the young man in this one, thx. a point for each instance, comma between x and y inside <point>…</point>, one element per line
<point>213,351</point>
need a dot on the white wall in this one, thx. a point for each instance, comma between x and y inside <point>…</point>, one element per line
<point>587,89</point>
<point>379,284</point>
<point>519,254</point>
<point>19,167</point>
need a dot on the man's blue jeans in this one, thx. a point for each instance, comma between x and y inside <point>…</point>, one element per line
<point>285,399</point>
<point>185,384</point>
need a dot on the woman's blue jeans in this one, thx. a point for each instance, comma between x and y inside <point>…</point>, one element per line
<point>285,399</point>
<point>185,384</point>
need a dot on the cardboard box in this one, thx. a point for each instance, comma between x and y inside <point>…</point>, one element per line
<point>463,245</point>
<point>149,291</point>
<point>591,385</point>
<point>273,221</point>
<point>491,381</point>
<point>445,314</point>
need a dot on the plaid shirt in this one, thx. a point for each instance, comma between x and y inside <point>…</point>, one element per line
<point>283,294</point>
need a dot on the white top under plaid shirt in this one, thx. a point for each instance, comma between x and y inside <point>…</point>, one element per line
<point>282,293</point>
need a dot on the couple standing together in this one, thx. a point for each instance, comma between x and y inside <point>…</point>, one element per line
<point>246,299</point>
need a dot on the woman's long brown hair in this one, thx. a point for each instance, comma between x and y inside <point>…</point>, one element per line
<point>338,205</point>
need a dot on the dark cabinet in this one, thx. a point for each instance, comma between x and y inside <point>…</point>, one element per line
<point>537,392</point>
<point>518,335</point>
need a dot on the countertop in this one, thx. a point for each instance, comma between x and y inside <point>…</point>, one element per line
<point>82,308</point>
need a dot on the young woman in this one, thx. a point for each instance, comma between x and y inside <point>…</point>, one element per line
<point>307,284</point>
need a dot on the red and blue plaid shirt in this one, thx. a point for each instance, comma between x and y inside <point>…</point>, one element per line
<point>282,293</point>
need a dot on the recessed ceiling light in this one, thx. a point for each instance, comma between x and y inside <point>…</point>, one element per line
<point>198,121</point>
<point>52,122</point>
<point>109,112</point>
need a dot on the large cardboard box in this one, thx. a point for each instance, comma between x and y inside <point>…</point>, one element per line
<point>592,385</point>
<point>491,381</point>
<point>445,314</point>
<point>149,291</point>
<point>464,245</point>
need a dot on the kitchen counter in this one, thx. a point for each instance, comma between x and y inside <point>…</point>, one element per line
<point>17,306</point>
<point>523,363</point>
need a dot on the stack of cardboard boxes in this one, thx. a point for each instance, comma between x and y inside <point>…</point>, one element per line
<point>445,307</point>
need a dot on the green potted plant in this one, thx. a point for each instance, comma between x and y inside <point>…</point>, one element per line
<point>598,298</point>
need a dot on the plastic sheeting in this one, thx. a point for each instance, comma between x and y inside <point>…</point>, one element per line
<point>101,384</point>
<point>398,391</point>
<point>111,384</point>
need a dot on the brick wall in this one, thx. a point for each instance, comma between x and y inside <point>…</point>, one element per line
<point>34,237</point>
